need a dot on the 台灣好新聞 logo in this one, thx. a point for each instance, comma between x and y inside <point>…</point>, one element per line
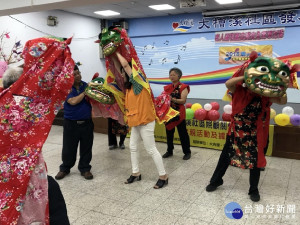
<point>233,210</point>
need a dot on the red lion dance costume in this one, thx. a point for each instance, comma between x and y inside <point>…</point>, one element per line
<point>27,109</point>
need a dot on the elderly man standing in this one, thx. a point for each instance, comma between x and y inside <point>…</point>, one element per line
<point>78,128</point>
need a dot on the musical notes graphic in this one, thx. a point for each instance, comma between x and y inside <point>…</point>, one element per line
<point>178,59</point>
<point>166,42</point>
<point>163,60</point>
<point>151,61</point>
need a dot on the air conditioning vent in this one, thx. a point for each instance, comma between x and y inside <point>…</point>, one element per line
<point>192,3</point>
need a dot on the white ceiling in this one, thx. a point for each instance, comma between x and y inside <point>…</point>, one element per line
<point>134,8</point>
<point>139,8</point>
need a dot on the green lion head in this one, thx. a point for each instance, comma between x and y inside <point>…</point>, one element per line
<point>96,91</point>
<point>110,40</point>
<point>268,77</point>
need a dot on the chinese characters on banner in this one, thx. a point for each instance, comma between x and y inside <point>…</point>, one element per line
<point>249,35</point>
<point>240,54</point>
<point>267,19</point>
<point>219,23</point>
<point>205,134</point>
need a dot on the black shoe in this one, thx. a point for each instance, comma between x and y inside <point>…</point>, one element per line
<point>161,183</point>
<point>112,147</point>
<point>122,146</point>
<point>213,187</point>
<point>167,155</point>
<point>131,179</point>
<point>187,156</point>
<point>255,197</point>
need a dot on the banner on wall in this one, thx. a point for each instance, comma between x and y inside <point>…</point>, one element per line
<point>250,35</point>
<point>240,54</point>
<point>206,134</point>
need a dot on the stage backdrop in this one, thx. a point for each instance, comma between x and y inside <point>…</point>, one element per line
<point>192,42</point>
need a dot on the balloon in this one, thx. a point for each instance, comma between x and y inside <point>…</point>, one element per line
<point>188,105</point>
<point>282,119</point>
<point>189,114</point>
<point>227,109</point>
<point>215,105</point>
<point>213,115</point>
<point>200,114</point>
<point>288,110</point>
<point>196,106</point>
<point>295,120</point>
<point>272,114</point>
<point>226,117</point>
<point>207,106</point>
<point>206,118</point>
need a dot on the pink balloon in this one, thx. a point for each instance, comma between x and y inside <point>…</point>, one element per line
<point>200,114</point>
<point>213,115</point>
<point>226,117</point>
<point>188,105</point>
<point>215,105</point>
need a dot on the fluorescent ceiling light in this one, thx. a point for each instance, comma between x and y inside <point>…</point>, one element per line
<point>162,7</point>
<point>107,13</point>
<point>222,2</point>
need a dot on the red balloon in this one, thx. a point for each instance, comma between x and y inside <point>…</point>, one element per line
<point>200,114</point>
<point>188,105</point>
<point>215,106</point>
<point>213,115</point>
<point>226,117</point>
<point>206,118</point>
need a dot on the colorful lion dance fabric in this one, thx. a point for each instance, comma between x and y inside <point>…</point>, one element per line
<point>27,110</point>
<point>116,39</point>
<point>266,77</point>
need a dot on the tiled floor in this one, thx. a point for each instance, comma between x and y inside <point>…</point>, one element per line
<point>107,200</point>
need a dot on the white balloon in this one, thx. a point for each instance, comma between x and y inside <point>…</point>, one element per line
<point>207,106</point>
<point>288,111</point>
<point>227,109</point>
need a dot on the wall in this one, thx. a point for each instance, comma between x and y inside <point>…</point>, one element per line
<point>84,30</point>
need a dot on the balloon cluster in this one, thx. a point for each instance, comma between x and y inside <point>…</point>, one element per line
<point>287,117</point>
<point>209,112</point>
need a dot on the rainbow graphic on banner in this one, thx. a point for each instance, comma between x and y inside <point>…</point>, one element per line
<point>182,28</point>
<point>217,76</point>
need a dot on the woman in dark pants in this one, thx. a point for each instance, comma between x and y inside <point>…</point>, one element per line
<point>249,123</point>
<point>178,92</point>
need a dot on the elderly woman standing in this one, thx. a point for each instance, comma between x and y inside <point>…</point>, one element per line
<point>178,92</point>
